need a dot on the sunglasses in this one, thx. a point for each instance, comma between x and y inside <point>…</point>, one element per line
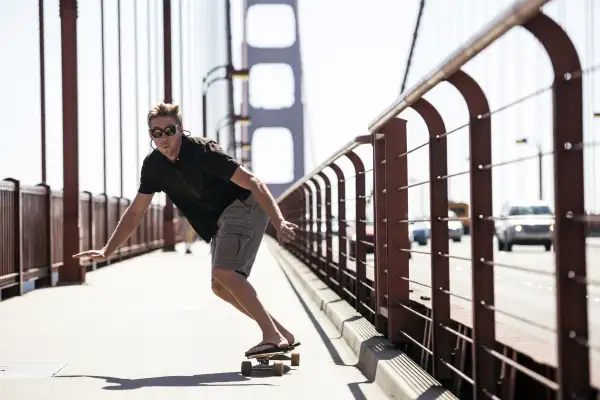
<point>170,130</point>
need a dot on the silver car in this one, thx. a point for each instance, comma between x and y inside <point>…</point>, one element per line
<point>455,228</point>
<point>525,224</point>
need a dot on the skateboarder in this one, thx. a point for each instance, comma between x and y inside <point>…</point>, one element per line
<point>227,206</point>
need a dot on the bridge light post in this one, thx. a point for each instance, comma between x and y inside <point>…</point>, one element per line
<point>42,87</point>
<point>71,271</point>
<point>231,119</point>
<point>168,212</point>
<point>540,155</point>
<point>231,73</point>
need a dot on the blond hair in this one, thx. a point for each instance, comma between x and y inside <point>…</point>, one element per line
<point>165,110</point>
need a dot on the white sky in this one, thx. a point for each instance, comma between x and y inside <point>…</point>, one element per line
<point>353,62</point>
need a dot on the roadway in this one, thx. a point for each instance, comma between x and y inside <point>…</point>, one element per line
<point>528,295</point>
<point>150,328</point>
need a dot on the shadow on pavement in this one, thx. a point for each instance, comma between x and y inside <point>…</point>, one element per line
<point>357,391</point>
<point>216,379</point>
<point>327,341</point>
<point>324,337</point>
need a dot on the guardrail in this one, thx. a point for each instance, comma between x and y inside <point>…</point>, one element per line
<point>465,347</point>
<point>31,219</point>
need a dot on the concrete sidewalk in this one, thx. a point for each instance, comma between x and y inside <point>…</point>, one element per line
<point>150,328</point>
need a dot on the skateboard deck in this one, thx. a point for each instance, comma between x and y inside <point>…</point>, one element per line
<point>263,361</point>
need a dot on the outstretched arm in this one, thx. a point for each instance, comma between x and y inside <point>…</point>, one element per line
<point>246,179</point>
<point>128,223</point>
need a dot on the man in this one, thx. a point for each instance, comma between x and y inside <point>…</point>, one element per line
<point>226,205</point>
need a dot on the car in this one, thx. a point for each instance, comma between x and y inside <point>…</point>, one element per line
<point>421,232</point>
<point>369,236</point>
<point>455,228</point>
<point>525,223</point>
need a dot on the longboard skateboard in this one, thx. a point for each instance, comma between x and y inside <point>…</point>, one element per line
<point>263,362</point>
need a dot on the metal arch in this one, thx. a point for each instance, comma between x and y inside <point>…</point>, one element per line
<point>305,193</point>
<point>328,231</point>
<point>440,266</point>
<point>356,161</point>
<point>293,208</point>
<point>311,217</point>
<point>381,243</point>
<point>573,374</point>
<point>342,228</point>
<point>556,42</point>
<point>325,179</point>
<point>474,97</point>
<point>399,321</point>
<point>482,233</point>
<point>317,230</point>
<point>360,217</point>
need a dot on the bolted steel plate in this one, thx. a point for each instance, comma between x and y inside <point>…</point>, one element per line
<point>30,370</point>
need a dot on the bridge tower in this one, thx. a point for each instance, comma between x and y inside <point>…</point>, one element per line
<point>290,118</point>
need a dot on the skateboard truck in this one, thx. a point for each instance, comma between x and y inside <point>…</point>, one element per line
<point>264,362</point>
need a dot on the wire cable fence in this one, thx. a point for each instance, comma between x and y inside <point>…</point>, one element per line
<point>485,315</point>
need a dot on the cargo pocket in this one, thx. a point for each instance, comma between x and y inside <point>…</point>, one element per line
<point>234,240</point>
<point>237,213</point>
<point>250,203</point>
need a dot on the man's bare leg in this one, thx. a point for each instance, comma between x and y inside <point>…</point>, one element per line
<point>222,293</point>
<point>243,292</point>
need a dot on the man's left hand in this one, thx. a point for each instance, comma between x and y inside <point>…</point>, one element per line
<point>285,232</point>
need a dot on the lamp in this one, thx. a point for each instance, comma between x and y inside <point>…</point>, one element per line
<point>230,73</point>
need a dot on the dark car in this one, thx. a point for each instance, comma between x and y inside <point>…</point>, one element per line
<point>421,233</point>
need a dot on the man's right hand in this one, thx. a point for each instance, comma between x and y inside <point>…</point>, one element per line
<point>129,221</point>
<point>96,255</point>
<point>286,233</point>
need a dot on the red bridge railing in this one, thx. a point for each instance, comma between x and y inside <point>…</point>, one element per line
<point>455,331</point>
<point>39,227</point>
<point>31,233</point>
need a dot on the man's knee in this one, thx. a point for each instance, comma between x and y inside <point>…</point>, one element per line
<point>224,277</point>
<point>217,288</point>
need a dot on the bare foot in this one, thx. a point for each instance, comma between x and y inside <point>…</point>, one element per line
<point>279,340</point>
<point>290,338</point>
<point>285,333</point>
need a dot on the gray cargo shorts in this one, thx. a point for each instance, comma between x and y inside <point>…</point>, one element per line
<point>240,231</point>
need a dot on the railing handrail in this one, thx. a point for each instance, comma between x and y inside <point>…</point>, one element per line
<point>354,143</point>
<point>411,302</point>
<point>517,13</point>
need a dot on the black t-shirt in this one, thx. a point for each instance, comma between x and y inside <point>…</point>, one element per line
<point>198,182</point>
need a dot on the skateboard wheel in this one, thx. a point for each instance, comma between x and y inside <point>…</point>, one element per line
<point>246,368</point>
<point>278,368</point>
<point>295,359</point>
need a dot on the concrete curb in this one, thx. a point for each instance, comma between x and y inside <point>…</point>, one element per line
<point>393,371</point>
